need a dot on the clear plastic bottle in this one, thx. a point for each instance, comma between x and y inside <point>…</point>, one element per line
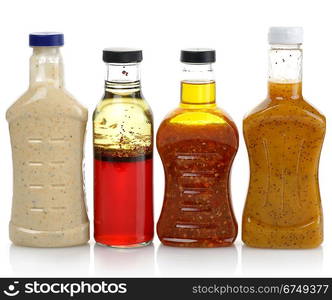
<point>123,162</point>
<point>197,143</point>
<point>284,136</point>
<point>47,129</point>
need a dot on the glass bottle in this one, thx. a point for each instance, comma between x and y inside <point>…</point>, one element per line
<point>47,129</point>
<point>197,143</point>
<point>123,148</point>
<point>284,137</point>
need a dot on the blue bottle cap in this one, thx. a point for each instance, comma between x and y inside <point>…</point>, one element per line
<point>46,39</point>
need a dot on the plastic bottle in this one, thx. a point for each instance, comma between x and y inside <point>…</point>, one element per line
<point>47,129</point>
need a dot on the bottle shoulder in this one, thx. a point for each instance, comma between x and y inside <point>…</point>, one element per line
<point>192,124</point>
<point>47,100</point>
<point>288,110</point>
<point>203,116</point>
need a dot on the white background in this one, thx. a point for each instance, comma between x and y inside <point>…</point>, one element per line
<point>238,31</point>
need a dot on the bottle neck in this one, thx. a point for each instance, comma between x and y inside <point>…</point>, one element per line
<point>46,67</point>
<point>198,86</point>
<point>123,79</point>
<point>285,72</point>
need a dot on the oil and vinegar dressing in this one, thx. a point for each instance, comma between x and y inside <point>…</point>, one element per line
<point>123,191</point>
<point>284,137</point>
<point>197,143</point>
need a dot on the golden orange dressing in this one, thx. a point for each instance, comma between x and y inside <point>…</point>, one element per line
<point>284,137</point>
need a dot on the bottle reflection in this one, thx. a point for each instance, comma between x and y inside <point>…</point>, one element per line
<point>50,262</point>
<point>196,262</point>
<point>283,263</point>
<point>114,262</point>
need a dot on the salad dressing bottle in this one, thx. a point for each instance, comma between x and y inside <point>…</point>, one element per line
<point>197,143</point>
<point>123,155</point>
<point>47,129</point>
<point>284,136</point>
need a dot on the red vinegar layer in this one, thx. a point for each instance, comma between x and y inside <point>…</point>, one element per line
<point>123,200</point>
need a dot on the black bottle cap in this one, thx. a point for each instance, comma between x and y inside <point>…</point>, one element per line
<point>122,55</point>
<point>198,55</point>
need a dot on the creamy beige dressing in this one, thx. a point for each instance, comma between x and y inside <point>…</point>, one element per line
<point>47,128</point>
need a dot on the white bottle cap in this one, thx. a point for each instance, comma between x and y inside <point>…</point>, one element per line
<point>286,35</point>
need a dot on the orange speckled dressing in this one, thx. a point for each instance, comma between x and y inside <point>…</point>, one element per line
<point>284,137</point>
<point>197,144</point>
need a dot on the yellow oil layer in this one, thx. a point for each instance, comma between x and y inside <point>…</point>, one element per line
<point>197,118</point>
<point>198,106</point>
<point>123,124</point>
<point>198,93</point>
